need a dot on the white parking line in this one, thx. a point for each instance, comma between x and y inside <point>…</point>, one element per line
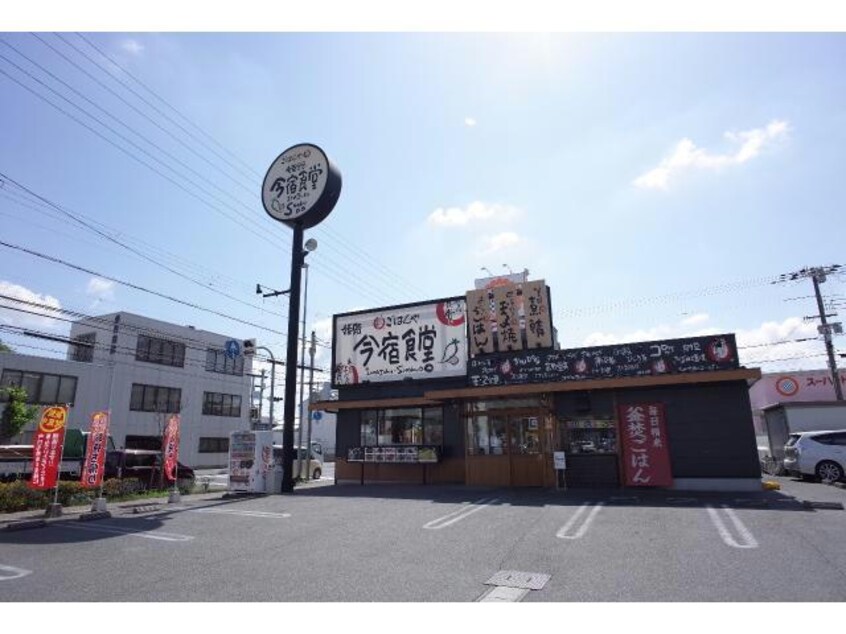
<point>564,532</point>
<point>245,513</point>
<point>7,573</point>
<point>460,514</point>
<point>747,539</point>
<point>159,535</point>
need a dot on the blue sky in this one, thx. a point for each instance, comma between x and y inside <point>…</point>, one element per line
<point>657,182</point>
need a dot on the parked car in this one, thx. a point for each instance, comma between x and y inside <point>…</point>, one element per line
<point>820,454</point>
<point>145,465</point>
<point>315,466</point>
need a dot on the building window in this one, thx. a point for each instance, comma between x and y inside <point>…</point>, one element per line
<point>41,388</point>
<point>402,426</point>
<point>216,404</point>
<point>155,398</point>
<point>161,351</point>
<point>214,445</point>
<point>82,347</point>
<point>218,361</point>
<point>150,443</point>
<point>487,435</point>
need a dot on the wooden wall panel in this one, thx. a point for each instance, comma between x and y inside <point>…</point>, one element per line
<point>488,471</point>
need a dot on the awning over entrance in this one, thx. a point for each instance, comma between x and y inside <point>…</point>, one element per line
<point>436,397</point>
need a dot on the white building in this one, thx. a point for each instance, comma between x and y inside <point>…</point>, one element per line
<point>142,370</point>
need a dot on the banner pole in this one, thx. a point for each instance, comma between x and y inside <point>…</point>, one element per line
<point>61,455</point>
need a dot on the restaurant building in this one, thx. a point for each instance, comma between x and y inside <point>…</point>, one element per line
<point>472,390</point>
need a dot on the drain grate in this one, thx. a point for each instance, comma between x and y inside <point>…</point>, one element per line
<point>517,579</point>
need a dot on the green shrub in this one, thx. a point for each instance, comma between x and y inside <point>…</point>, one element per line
<point>17,496</point>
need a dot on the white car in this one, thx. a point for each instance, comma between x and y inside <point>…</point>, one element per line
<point>820,454</point>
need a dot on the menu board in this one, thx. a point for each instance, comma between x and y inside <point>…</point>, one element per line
<point>650,358</point>
<point>415,454</point>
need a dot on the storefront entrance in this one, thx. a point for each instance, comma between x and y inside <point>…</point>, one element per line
<point>591,445</point>
<point>509,443</point>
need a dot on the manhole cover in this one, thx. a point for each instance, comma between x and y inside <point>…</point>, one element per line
<point>517,579</point>
<point>503,594</point>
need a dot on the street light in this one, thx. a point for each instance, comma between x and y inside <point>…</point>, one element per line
<point>309,246</point>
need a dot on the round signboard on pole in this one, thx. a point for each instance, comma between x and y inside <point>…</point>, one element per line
<point>301,186</point>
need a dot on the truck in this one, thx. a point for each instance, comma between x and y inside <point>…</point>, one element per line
<point>16,460</point>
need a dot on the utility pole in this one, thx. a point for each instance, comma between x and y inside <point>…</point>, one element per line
<point>818,275</point>
<point>311,350</point>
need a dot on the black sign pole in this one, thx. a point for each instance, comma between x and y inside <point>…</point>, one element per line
<point>291,360</point>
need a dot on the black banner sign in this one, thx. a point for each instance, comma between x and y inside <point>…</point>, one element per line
<point>644,358</point>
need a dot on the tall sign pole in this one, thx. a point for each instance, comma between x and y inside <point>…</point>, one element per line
<point>300,189</point>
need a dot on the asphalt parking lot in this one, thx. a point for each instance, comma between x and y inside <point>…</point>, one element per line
<point>416,543</point>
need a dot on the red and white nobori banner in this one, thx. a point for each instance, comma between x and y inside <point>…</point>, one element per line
<point>47,447</point>
<point>171,447</point>
<point>646,455</point>
<point>95,452</point>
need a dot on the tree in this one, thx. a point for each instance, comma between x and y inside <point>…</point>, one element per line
<point>4,347</point>
<point>16,415</point>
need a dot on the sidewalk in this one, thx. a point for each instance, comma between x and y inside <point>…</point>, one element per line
<point>124,507</point>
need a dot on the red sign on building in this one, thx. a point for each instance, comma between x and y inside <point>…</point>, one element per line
<point>47,447</point>
<point>646,455</point>
<point>171,447</point>
<point>95,452</point>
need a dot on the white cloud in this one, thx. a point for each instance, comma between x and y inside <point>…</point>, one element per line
<point>687,156</point>
<point>476,211</point>
<point>469,122</point>
<point>759,351</point>
<point>499,242</point>
<point>100,288</point>
<point>133,47</point>
<point>27,320</point>
<point>693,320</point>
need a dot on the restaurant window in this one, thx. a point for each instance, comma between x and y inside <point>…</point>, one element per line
<point>592,436</point>
<point>525,435</point>
<point>487,435</point>
<point>41,388</point>
<point>161,351</point>
<point>402,426</point>
<point>155,398</point>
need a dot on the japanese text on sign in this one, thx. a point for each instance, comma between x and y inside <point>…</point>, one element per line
<point>646,458</point>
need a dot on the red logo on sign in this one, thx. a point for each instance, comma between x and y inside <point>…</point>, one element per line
<point>47,448</point>
<point>787,386</point>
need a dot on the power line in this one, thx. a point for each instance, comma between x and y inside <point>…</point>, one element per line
<point>137,287</point>
<point>321,229</point>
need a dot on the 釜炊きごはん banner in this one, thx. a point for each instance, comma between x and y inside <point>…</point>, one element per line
<point>418,341</point>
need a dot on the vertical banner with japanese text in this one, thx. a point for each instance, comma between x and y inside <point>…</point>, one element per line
<point>95,451</point>
<point>479,322</point>
<point>507,318</point>
<point>170,444</point>
<point>47,447</point>
<point>646,455</point>
<point>537,316</point>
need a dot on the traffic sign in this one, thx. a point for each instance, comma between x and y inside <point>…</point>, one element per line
<point>232,348</point>
<point>316,415</point>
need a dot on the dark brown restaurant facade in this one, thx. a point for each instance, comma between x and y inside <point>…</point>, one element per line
<point>472,390</point>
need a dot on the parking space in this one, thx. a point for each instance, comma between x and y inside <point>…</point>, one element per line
<point>380,543</point>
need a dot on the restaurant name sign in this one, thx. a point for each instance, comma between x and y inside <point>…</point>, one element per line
<point>649,358</point>
<point>415,341</point>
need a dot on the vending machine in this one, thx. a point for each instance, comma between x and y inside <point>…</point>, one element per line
<point>251,462</point>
